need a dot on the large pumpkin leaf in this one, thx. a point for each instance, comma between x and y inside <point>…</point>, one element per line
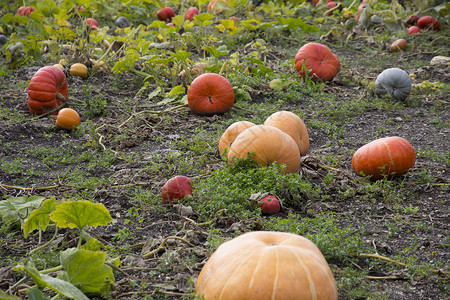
<point>293,23</point>
<point>87,270</point>
<point>80,214</point>
<point>45,281</point>
<point>14,209</point>
<point>39,218</point>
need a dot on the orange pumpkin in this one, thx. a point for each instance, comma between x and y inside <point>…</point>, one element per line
<point>291,124</point>
<point>231,133</point>
<point>385,157</point>
<point>266,265</point>
<point>321,63</point>
<point>47,90</point>
<point>217,5</point>
<point>270,145</point>
<point>68,119</point>
<point>210,94</point>
<point>399,44</point>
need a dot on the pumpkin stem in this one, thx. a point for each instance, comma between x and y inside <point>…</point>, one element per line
<point>209,98</point>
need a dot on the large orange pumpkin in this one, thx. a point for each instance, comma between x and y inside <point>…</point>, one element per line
<point>231,133</point>
<point>267,265</point>
<point>47,90</point>
<point>270,145</point>
<point>317,61</point>
<point>291,124</point>
<point>210,94</point>
<point>385,157</point>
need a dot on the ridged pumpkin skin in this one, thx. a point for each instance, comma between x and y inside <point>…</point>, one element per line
<point>270,145</point>
<point>43,89</point>
<point>267,265</point>
<point>231,133</point>
<point>210,94</point>
<point>389,156</point>
<point>68,118</point>
<point>395,82</point>
<point>322,64</point>
<point>291,124</point>
<point>25,10</point>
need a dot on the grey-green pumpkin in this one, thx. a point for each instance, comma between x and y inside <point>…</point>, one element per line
<point>395,82</point>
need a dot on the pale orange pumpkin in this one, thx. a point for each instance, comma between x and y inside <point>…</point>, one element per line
<point>231,133</point>
<point>291,124</point>
<point>264,265</point>
<point>270,145</point>
<point>68,118</point>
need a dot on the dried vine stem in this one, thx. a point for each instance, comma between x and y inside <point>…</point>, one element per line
<point>160,247</point>
<point>125,273</point>
<point>154,112</point>
<point>378,256</point>
<point>35,188</point>
<point>64,103</point>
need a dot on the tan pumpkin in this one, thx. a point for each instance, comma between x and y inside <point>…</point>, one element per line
<point>291,124</point>
<point>269,144</point>
<point>68,118</point>
<point>267,265</point>
<point>231,133</point>
<point>78,70</point>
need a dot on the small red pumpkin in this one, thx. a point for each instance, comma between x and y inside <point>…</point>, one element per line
<point>210,94</point>
<point>426,22</point>
<point>68,118</point>
<point>269,204</point>
<point>165,14</point>
<point>25,10</point>
<point>47,90</point>
<point>414,29</point>
<point>322,64</point>
<point>176,188</point>
<point>385,157</point>
<point>412,20</point>
<point>217,5</point>
<point>92,23</point>
<point>190,13</point>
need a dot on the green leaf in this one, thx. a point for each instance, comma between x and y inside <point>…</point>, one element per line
<point>87,270</point>
<point>6,296</point>
<point>39,218</point>
<point>35,294</point>
<point>14,209</point>
<point>217,52</point>
<point>60,286</point>
<point>203,20</point>
<point>93,245</point>
<point>80,214</point>
<point>181,55</point>
<point>293,23</point>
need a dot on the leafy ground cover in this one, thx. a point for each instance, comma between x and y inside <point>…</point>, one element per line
<point>75,202</point>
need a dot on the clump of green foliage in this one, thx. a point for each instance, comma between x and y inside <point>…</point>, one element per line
<point>231,186</point>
